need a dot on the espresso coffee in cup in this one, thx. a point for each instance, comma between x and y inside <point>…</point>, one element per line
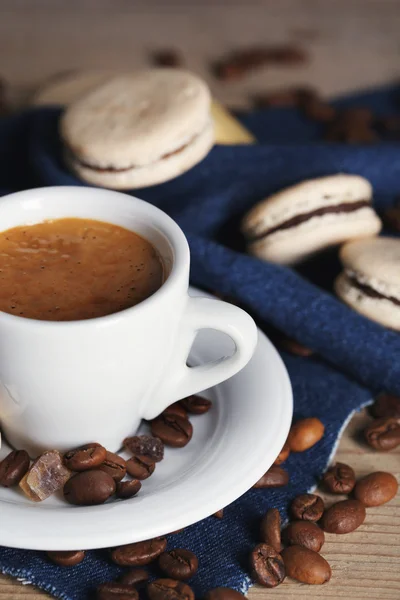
<point>72,269</point>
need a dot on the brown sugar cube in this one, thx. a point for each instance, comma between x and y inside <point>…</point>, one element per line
<point>46,476</point>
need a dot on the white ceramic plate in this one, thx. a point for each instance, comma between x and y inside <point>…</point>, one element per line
<point>232,446</point>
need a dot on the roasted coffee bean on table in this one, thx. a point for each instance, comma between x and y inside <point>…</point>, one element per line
<point>178,563</point>
<point>223,593</point>
<point>169,589</point>
<point>339,479</point>
<point>114,465</point>
<point>307,507</point>
<point>176,409</point>
<point>135,577</point>
<point>376,488</point>
<point>172,430</point>
<point>270,529</point>
<point>145,445</point>
<point>140,467</point>
<point>68,558</point>
<point>343,517</point>
<point>128,489</point>
<point>89,488</point>
<point>116,591</point>
<point>274,477</point>
<point>318,110</point>
<point>167,58</point>
<point>13,467</point>
<point>283,454</point>
<point>304,533</point>
<point>383,434</point>
<point>219,514</point>
<point>386,405</point>
<point>305,433</point>
<point>139,553</point>
<point>196,405</point>
<point>391,218</point>
<point>294,347</point>
<point>305,565</point>
<point>267,566</point>
<point>86,457</point>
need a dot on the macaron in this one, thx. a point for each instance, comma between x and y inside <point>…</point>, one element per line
<point>299,221</point>
<point>139,130</point>
<point>370,282</point>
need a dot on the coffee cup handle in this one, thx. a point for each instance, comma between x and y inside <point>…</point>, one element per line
<point>183,381</point>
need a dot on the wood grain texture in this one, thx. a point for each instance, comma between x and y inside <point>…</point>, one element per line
<point>351,43</point>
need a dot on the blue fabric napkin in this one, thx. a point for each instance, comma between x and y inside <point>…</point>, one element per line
<point>355,357</point>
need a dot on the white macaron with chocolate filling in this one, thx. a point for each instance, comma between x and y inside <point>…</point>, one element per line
<point>299,221</point>
<point>370,282</point>
<point>139,130</point>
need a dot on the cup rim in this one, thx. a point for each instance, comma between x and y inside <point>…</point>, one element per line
<point>169,227</point>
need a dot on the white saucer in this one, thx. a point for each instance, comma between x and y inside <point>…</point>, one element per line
<point>232,446</point>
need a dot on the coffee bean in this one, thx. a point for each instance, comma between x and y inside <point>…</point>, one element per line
<point>318,110</point>
<point>223,593</point>
<point>134,577</point>
<point>176,409</point>
<point>116,591</point>
<point>66,558</point>
<point>387,405</point>
<point>86,457</point>
<point>283,98</point>
<point>13,467</point>
<point>219,514</point>
<point>140,467</point>
<point>305,433</point>
<point>267,566</point>
<point>114,465</point>
<point>178,563</point>
<point>383,434</point>
<point>307,507</point>
<point>128,489</point>
<point>391,218</point>
<point>376,488</point>
<point>339,479</point>
<point>167,58</point>
<point>305,565</point>
<point>196,405</point>
<point>304,533</point>
<point>343,517</point>
<point>274,477</point>
<point>139,553</point>
<point>89,488</point>
<point>172,430</point>
<point>283,454</point>
<point>294,347</point>
<point>270,529</point>
<point>145,445</point>
<point>169,589</point>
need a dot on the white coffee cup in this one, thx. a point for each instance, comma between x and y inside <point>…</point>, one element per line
<point>63,384</point>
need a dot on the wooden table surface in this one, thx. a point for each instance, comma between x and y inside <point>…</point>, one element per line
<point>352,44</point>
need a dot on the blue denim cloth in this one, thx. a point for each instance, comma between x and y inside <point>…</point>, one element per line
<point>355,357</point>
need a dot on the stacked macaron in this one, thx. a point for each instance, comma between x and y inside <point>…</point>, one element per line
<point>138,130</point>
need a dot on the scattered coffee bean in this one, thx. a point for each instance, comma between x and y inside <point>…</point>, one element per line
<point>306,566</point>
<point>284,98</point>
<point>270,529</point>
<point>376,488</point>
<point>294,347</point>
<point>319,111</point>
<point>145,445</point>
<point>114,465</point>
<point>305,433</point>
<point>339,479</point>
<point>128,489</point>
<point>391,218</point>
<point>219,514</point>
<point>134,577</point>
<point>13,467</point>
<point>283,454</point>
<point>343,517</point>
<point>178,563</point>
<point>307,507</point>
<point>89,488</point>
<point>140,467</point>
<point>66,558</point>
<point>267,566</point>
<point>196,405</point>
<point>287,55</point>
<point>167,58</point>
<point>274,477</point>
<point>389,126</point>
<point>304,533</point>
<point>169,589</point>
<point>387,405</point>
<point>172,430</point>
<point>86,457</point>
<point>383,434</point>
<point>176,409</point>
<point>139,553</point>
<point>352,126</point>
<point>223,593</point>
<point>116,591</point>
